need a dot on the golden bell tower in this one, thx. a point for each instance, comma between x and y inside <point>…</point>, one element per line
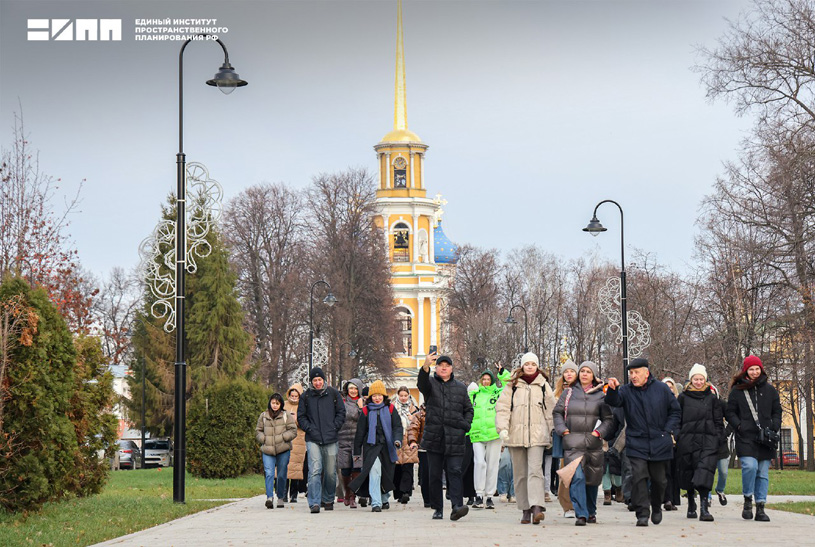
<point>421,256</point>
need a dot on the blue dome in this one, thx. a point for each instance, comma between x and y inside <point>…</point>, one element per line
<point>446,250</point>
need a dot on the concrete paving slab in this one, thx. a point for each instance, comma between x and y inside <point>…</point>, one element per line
<point>248,522</point>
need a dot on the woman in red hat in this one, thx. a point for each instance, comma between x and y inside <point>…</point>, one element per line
<point>754,412</point>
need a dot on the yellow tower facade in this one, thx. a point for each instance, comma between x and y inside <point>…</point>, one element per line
<point>421,257</point>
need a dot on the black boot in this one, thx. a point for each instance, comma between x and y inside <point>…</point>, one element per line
<point>761,516</point>
<point>747,512</point>
<point>704,508</point>
<point>691,504</point>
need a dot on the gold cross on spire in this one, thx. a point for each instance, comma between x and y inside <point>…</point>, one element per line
<point>400,102</point>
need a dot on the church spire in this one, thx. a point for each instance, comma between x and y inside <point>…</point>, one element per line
<point>400,100</point>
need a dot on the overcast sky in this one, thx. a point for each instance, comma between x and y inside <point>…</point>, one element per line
<point>534,111</point>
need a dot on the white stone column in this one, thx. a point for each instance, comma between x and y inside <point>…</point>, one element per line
<point>385,229</point>
<point>415,237</point>
<point>431,243</point>
<point>421,164</point>
<point>434,341</point>
<point>421,350</point>
<point>388,170</point>
<point>412,178</point>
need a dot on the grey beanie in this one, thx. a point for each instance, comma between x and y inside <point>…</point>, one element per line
<point>568,365</point>
<point>592,367</point>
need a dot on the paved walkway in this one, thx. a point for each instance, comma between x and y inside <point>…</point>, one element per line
<point>248,522</point>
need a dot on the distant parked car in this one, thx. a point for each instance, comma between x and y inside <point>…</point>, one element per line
<point>790,458</point>
<point>158,452</point>
<point>129,454</point>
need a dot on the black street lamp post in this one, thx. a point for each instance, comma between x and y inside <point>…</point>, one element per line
<point>329,300</point>
<point>511,321</point>
<point>594,228</point>
<point>226,80</point>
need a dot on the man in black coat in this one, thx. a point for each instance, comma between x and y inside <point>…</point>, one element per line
<point>321,414</point>
<point>449,415</point>
<point>652,416</point>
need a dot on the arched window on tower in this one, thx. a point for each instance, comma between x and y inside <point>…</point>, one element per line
<point>401,243</point>
<point>404,344</point>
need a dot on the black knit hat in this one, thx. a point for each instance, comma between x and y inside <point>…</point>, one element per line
<point>316,372</point>
<point>639,362</point>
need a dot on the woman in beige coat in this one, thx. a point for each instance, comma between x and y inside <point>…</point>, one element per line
<point>275,431</point>
<point>524,422</point>
<point>297,460</point>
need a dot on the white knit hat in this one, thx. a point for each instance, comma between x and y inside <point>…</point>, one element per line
<point>697,369</point>
<point>530,358</point>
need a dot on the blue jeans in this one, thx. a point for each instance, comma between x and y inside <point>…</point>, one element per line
<point>322,473</point>
<point>281,462</point>
<point>505,483</point>
<point>721,469</point>
<point>755,478</point>
<point>583,496</point>
<point>375,485</point>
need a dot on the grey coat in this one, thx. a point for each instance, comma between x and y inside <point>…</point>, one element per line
<point>345,445</point>
<point>580,416</point>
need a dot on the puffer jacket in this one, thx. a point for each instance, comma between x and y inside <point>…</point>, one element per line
<point>345,447</point>
<point>297,457</point>
<point>768,407</point>
<point>578,412</point>
<point>416,429</point>
<point>652,419</point>
<point>525,410</point>
<point>697,447</point>
<point>449,414</point>
<point>484,400</point>
<point>321,415</point>
<point>275,433</point>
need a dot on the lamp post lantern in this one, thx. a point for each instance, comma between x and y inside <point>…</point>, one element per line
<point>226,79</point>
<point>511,321</point>
<point>329,300</point>
<point>594,228</point>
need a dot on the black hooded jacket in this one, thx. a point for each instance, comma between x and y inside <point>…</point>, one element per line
<point>449,414</point>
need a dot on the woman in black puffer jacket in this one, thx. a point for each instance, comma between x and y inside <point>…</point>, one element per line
<point>753,456</point>
<point>698,444</point>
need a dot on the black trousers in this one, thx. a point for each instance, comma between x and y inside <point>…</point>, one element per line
<point>468,470</point>
<point>402,480</point>
<point>451,465</point>
<point>424,477</point>
<point>641,472</point>
<point>672,488</point>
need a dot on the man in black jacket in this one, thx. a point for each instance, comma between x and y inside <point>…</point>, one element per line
<point>652,417</point>
<point>321,414</point>
<point>449,415</point>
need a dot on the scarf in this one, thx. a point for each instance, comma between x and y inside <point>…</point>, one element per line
<point>404,411</point>
<point>529,378</point>
<point>375,414</point>
<point>690,387</point>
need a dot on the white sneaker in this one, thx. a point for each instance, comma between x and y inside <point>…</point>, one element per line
<point>569,514</point>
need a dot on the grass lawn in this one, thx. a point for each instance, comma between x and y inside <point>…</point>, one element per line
<point>803,507</point>
<point>787,482</point>
<point>131,501</point>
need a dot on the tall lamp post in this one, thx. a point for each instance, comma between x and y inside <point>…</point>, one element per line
<point>226,80</point>
<point>511,321</point>
<point>329,300</point>
<point>594,228</point>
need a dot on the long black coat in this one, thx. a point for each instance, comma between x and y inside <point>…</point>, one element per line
<point>697,447</point>
<point>449,414</point>
<point>370,453</point>
<point>583,412</point>
<point>321,415</point>
<point>768,406</point>
<point>652,415</point>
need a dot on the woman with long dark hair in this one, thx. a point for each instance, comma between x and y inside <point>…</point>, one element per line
<point>275,431</point>
<point>754,411</point>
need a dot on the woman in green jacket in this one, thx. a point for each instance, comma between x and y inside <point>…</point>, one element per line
<point>484,435</point>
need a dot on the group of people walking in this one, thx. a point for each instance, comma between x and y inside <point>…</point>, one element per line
<point>634,438</point>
